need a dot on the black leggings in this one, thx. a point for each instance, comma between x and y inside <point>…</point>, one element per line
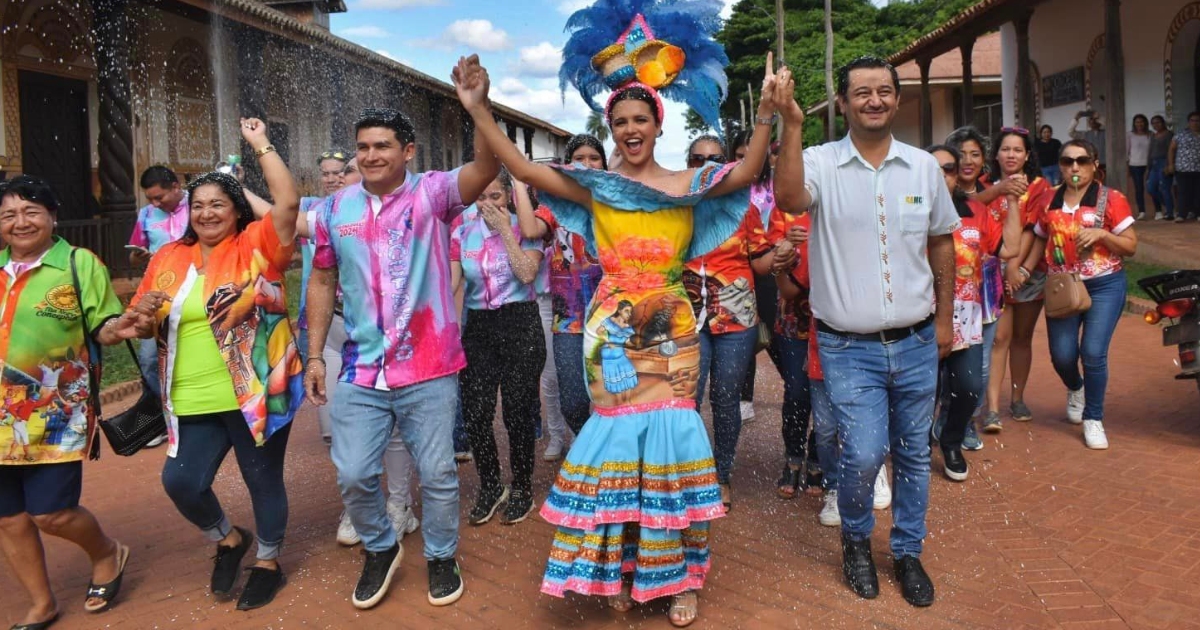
<point>505,350</point>
<point>1188,202</point>
<point>961,384</point>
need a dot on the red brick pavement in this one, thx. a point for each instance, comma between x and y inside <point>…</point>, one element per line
<point>1045,534</point>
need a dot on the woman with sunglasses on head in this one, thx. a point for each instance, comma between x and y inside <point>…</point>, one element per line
<point>962,381</point>
<point>1158,183</point>
<point>1012,290</point>
<point>972,150</point>
<point>720,285</point>
<point>1137,150</point>
<point>1074,238</point>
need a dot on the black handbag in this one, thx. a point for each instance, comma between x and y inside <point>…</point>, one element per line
<point>129,431</point>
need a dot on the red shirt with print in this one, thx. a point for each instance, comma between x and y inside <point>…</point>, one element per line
<point>720,284</point>
<point>1060,226</point>
<point>793,318</point>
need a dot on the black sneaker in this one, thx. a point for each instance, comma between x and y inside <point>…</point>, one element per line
<point>520,505</point>
<point>486,504</point>
<point>376,577</point>
<point>955,465</point>
<point>228,563</point>
<point>261,587</point>
<point>445,582</point>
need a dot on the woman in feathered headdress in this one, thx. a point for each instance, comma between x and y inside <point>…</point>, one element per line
<point>634,497</point>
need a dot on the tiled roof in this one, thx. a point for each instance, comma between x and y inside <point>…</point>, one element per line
<point>985,62</point>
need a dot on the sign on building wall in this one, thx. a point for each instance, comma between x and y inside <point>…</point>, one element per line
<point>1063,87</point>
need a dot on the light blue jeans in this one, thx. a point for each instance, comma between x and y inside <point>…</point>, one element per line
<point>825,428</point>
<point>148,362</point>
<point>882,396</point>
<point>362,428</point>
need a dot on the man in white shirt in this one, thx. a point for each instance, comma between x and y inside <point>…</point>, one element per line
<point>881,240</point>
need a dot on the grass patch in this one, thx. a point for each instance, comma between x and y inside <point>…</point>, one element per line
<point>119,367</point>
<point>1135,271</point>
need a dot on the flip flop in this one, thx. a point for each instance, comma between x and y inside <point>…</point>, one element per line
<point>108,592</point>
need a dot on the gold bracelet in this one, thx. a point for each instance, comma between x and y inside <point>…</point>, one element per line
<point>265,150</point>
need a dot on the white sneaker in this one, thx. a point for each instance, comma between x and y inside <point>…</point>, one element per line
<point>157,441</point>
<point>346,535</point>
<point>1075,406</point>
<point>402,518</point>
<point>1093,435</point>
<point>883,492</point>
<point>747,409</point>
<point>829,516</point>
<point>554,450</point>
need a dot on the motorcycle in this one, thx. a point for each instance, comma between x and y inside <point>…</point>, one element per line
<point>1178,297</point>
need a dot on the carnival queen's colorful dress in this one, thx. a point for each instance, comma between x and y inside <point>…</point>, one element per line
<point>639,487</point>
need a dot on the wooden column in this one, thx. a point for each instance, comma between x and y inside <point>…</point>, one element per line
<point>968,82</point>
<point>1025,88</point>
<point>250,46</point>
<point>1114,114</point>
<point>528,142</point>
<point>468,138</point>
<point>926,103</point>
<point>115,142</point>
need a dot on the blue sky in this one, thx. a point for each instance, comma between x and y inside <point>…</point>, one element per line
<point>518,42</point>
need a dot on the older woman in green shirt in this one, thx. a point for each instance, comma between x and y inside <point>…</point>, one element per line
<point>47,423</point>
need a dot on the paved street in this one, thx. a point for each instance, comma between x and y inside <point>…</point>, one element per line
<point>1045,534</point>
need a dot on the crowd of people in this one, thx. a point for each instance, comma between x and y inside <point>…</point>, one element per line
<point>605,295</point>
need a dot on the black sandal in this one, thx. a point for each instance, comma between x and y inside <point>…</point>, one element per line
<point>41,625</point>
<point>814,481</point>
<point>108,592</point>
<point>261,587</point>
<point>789,480</point>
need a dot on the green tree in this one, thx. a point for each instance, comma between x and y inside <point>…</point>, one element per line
<point>859,28</point>
<point>596,126</point>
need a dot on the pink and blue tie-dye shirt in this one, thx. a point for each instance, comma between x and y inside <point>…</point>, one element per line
<point>155,227</point>
<point>393,260</point>
<point>490,281</point>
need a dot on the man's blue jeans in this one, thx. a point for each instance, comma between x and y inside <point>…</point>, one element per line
<point>829,451</point>
<point>362,426</point>
<point>727,356</point>
<point>572,390</point>
<point>1159,185</point>
<point>882,396</point>
<point>797,397</point>
<point>1085,339</point>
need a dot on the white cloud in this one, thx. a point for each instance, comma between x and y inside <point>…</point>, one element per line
<point>542,60</point>
<point>567,7</point>
<point>396,4</point>
<point>394,57</point>
<point>366,31</point>
<point>727,10</point>
<point>476,34</point>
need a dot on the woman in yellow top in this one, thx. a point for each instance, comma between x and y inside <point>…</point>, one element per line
<point>230,371</point>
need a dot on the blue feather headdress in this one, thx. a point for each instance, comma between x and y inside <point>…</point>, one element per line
<point>664,45</point>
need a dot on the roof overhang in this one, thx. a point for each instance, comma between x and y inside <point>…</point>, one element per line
<point>969,24</point>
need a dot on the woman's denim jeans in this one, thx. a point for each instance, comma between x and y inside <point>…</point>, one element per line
<point>727,357</point>
<point>1085,339</point>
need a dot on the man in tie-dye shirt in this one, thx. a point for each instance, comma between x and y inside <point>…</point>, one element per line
<point>386,244</point>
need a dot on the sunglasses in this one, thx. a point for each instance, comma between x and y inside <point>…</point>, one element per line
<point>1021,131</point>
<point>333,155</point>
<point>950,167</point>
<point>700,158</point>
<point>1083,160</point>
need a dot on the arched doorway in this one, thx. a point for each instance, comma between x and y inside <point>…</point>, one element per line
<point>1181,65</point>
